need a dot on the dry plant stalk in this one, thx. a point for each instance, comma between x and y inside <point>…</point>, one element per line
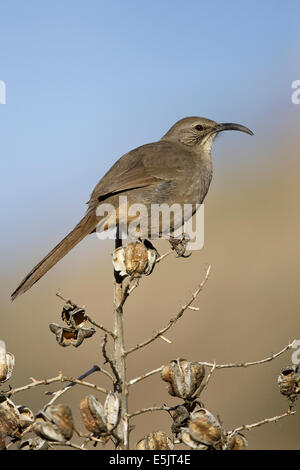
<point>192,424</point>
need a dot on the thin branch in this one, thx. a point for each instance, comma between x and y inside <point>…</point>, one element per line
<point>247,364</point>
<point>131,284</point>
<point>167,340</point>
<point>101,327</point>
<point>248,427</point>
<point>216,366</point>
<point>105,372</point>
<point>85,384</point>
<point>148,410</point>
<point>117,381</point>
<point>59,378</point>
<point>91,438</point>
<point>60,392</point>
<point>33,384</point>
<point>164,256</point>
<point>205,383</point>
<point>173,320</point>
<point>66,444</point>
<point>144,376</point>
<point>122,430</point>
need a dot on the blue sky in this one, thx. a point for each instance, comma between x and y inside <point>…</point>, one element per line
<point>89,80</point>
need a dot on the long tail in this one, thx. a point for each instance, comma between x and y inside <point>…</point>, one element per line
<point>83,228</point>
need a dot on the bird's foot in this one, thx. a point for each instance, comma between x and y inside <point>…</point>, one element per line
<point>179,245</point>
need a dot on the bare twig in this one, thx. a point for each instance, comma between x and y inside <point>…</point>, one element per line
<point>247,364</point>
<point>149,410</point>
<point>164,256</point>
<point>205,383</point>
<point>85,384</point>
<point>248,427</point>
<point>216,366</point>
<point>173,320</point>
<point>60,392</point>
<point>67,444</point>
<point>122,430</point>
<point>59,378</point>
<point>130,284</point>
<point>164,338</point>
<point>33,384</point>
<point>144,376</point>
<point>117,381</point>
<point>101,327</point>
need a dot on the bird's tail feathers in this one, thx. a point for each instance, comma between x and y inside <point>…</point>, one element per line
<point>83,228</point>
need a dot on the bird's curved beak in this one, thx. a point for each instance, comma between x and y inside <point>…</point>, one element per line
<point>230,126</point>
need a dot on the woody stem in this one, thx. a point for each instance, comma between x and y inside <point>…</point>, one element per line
<point>120,357</point>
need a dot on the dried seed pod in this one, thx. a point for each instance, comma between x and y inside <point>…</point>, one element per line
<point>183,377</point>
<point>297,388</point>
<point>34,444</point>
<point>26,417</point>
<point>7,362</point>
<point>288,381</point>
<point>61,416</point>
<point>10,406</point>
<point>2,441</point>
<point>74,316</point>
<point>55,423</point>
<point>8,422</point>
<point>205,428</point>
<point>155,441</point>
<point>180,418</point>
<point>135,259</point>
<point>118,261</point>
<point>70,336</point>
<point>112,410</point>
<point>186,438</point>
<point>48,431</point>
<point>93,414</point>
<point>236,441</point>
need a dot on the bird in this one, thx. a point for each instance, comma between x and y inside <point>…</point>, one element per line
<point>177,169</point>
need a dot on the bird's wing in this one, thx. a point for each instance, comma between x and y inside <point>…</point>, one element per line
<point>144,166</point>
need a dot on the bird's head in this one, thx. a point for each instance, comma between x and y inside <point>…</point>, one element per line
<point>199,133</point>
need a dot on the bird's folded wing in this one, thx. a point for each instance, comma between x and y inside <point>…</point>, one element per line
<point>147,165</point>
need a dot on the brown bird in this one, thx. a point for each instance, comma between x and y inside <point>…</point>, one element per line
<point>177,169</point>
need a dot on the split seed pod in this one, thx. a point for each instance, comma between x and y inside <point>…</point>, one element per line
<point>180,418</point>
<point>26,417</point>
<point>66,336</point>
<point>155,441</point>
<point>74,316</point>
<point>135,259</point>
<point>112,410</point>
<point>93,415</point>
<point>34,444</point>
<point>205,428</point>
<point>7,362</point>
<point>237,442</point>
<point>55,423</point>
<point>98,418</point>
<point>2,441</point>
<point>9,424</point>
<point>183,377</point>
<point>289,382</point>
<point>186,438</point>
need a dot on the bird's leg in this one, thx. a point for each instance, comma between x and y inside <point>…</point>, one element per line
<point>179,245</point>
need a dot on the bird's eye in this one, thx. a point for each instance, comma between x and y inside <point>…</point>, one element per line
<point>199,127</point>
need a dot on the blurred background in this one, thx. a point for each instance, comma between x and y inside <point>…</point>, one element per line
<point>88,81</point>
